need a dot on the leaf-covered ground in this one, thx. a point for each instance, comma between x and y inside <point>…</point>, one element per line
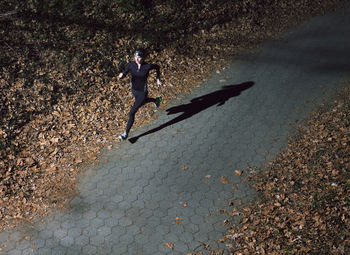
<point>305,205</point>
<point>61,102</point>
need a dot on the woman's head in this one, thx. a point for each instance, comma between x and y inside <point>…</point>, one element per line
<point>139,56</point>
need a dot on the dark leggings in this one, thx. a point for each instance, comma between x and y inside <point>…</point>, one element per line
<point>141,98</point>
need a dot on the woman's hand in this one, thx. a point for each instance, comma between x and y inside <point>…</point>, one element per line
<point>120,75</point>
<point>159,83</point>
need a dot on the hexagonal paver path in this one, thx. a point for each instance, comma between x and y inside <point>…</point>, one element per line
<point>167,186</point>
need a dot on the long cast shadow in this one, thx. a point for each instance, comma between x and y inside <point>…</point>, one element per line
<point>199,104</point>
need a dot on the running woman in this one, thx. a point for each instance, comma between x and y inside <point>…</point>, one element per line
<point>139,73</point>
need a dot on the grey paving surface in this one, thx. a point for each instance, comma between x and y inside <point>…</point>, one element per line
<point>130,204</point>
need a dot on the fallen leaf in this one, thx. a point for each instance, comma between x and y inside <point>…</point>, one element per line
<point>169,245</point>
<point>178,220</point>
<point>239,172</point>
<point>222,240</point>
<point>78,160</point>
<point>233,213</point>
<point>224,180</point>
<point>54,140</point>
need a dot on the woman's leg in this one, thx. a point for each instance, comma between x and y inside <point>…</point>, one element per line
<point>156,101</point>
<point>140,98</point>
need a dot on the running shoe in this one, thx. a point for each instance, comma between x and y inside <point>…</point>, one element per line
<point>157,103</point>
<point>123,136</point>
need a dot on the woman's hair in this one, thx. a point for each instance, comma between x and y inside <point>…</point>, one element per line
<point>139,53</point>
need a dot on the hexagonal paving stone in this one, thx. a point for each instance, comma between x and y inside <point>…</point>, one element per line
<point>124,221</point>
<point>124,205</point>
<point>37,243</point>
<point>82,240</point>
<point>97,240</point>
<point>96,223</point>
<point>118,231</point>
<point>74,251</point>
<point>150,249</point>
<point>67,241</point>
<point>162,229</point>
<point>181,247</point>
<point>83,223</point>
<point>60,233</point>
<point>43,251</point>
<point>119,249</point>
<point>90,215</point>
<point>90,231</point>
<point>191,228</point>
<point>89,250</point>
<point>51,242</point>
<point>21,245</point>
<point>15,252</point>
<point>103,214</point>
<point>104,231</point>
<point>126,239</point>
<point>74,232</point>
<point>59,251</point>
<point>15,236</point>
<point>133,230</point>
